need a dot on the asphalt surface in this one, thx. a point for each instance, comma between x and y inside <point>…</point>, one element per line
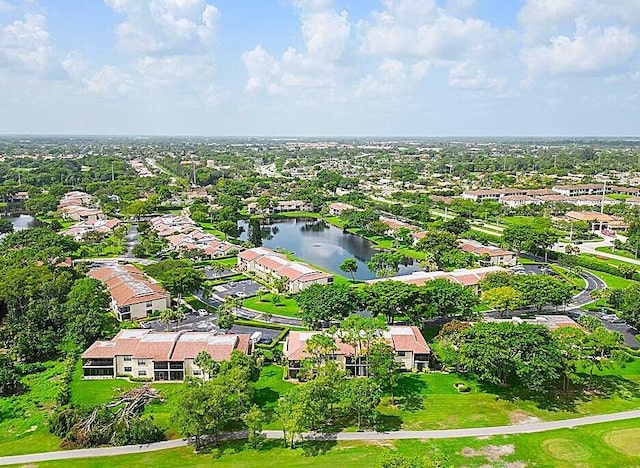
<point>593,283</point>
<point>131,239</point>
<point>435,434</point>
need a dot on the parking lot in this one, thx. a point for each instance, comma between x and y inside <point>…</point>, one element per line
<point>534,269</point>
<point>244,288</point>
<point>208,323</point>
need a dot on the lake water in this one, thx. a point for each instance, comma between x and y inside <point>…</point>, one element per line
<point>320,243</point>
<point>21,222</point>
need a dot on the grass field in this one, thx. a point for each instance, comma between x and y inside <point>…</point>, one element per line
<point>599,445</point>
<point>287,307</point>
<point>613,281</point>
<point>618,252</point>
<point>578,281</point>
<point>23,418</point>
<point>611,261</point>
<point>423,401</point>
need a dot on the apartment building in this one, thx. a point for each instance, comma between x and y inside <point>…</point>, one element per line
<point>493,255</point>
<point>410,348</point>
<point>133,295</point>
<point>463,276</point>
<point>158,356</point>
<point>268,264</point>
<point>337,208</point>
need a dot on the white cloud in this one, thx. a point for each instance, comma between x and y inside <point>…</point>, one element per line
<point>110,80</point>
<point>542,18</point>
<point>24,44</point>
<point>6,7</point>
<point>326,34</point>
<point>422,29</point>
<point>593,50</point>
<point>75,64</point>
<point>392,77</point>
<point>165,26</point>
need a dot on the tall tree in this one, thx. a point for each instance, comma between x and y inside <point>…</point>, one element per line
<point>502,299</point>
<point>350,266</point>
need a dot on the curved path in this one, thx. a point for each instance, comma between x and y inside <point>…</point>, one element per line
<point>435,434</point>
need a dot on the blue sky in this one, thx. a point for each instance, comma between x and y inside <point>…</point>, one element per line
<point>320,67</point>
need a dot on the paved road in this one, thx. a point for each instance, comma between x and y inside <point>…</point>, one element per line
<point>593,283</point>
<point>435,434</point>
<point>590,248</point>
<point>131,239</point>
<point>105,260</point>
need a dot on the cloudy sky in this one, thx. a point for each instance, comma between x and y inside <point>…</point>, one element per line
<point>320,67</point>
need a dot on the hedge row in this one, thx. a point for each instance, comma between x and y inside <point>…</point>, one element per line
<point>63,396</point>
<point>600,265</point>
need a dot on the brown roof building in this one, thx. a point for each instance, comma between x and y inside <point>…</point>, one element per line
<point>133,295</point>
<point>144,353</point>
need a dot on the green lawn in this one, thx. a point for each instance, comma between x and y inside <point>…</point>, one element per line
<point>613,281</point>
<point>430,401</point>
<point>578,281</point>
<point>208,227</point>
<point>618,252</point>
<point>604,445</point>
<point>23,418</point>
<point>287,307</point>
<point>94,392</point>
<point>336,221</point>
<point>611,261</point>
<point>267,391</point>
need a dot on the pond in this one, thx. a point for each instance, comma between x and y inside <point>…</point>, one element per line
<point>21,222</point>
<point>320,243</point>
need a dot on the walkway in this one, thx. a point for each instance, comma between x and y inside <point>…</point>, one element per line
<point>435,434</point>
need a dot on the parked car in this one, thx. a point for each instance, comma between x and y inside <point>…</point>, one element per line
<point>202,312</point>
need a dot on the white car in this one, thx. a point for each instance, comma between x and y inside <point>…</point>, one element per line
<point>202,312</point>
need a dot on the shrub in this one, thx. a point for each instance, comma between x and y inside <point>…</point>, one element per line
<point>63,396</point>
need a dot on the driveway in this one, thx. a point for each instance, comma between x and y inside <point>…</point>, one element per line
<point>209,323</point>
<point>131,239</point>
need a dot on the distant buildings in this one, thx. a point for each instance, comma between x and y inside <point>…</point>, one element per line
<point>158,356</point>
<point>79,206</point>
<point>465,277</point>
<point>183,234</point>
<point>337,208</point>
<point>267,264</point>
<point>597,221</point>
<point>283,206</point>
<point>410,348</point>
<point>552,322</point>
<point>133,295</point>
<point>493,255</point>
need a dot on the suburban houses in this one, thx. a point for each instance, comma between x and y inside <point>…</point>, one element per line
<point>158,356</point>
<point>410,348</point>
<point>102,226</point>
<point>463,276</point>
<point>337,208</point>
<point>489,255</point>
<point>183,234</point>
<point>133,295</point>
<point>266,263</point>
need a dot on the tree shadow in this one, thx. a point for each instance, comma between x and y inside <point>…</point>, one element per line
<point>388,423</point>
<point>264,396</point>
<point>582,391</point>
<point>313,448</point>
<point>410,392</point>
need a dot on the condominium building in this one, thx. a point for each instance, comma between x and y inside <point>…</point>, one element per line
<point>158,356</point>
<point>133,295</point>
<point>409,346</point>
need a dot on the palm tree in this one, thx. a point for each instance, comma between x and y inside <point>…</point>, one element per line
<point>170,315</point>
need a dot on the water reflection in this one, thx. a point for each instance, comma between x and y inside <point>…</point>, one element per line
<point>320,243</point>
<point>21,222</point>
